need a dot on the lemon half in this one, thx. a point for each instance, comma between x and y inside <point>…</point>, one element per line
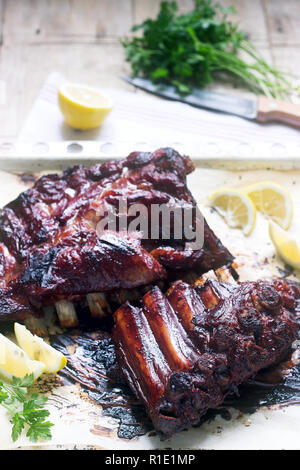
<point>15,362</point>
<point>83,107</point>
<point>273,201</point>
<point>286,246</point>
<point>37,349</point>
<point>235,207</point>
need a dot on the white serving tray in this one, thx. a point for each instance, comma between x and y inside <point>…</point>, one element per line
<point>78,420</point>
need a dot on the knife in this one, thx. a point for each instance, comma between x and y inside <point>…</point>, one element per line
<point>261,109</point>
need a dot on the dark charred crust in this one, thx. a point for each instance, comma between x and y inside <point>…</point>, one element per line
<point>269,298</point>
<point>11,301</point>
<point>138,159</point>
<point>39,266</point>
<point>91,360</point>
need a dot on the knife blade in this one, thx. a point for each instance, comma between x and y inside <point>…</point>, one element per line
<point>261,109</point>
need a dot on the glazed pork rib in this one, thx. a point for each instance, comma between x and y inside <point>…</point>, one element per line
<point>52,253</point>
<point>183,352</point>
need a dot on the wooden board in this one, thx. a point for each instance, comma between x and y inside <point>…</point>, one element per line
<point>79,422</point>
<point>282,22</point>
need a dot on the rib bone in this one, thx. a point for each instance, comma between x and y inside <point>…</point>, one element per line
<point>224,275</point>
<point>66,314</point>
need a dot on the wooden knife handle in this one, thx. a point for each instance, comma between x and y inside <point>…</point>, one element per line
<point>273,110</point>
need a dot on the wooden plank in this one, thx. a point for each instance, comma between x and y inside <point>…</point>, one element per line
<point>249,15</point>
<point>251,19</point>
<point>24,70</point>
<point>283,22</point>
<point>41,21</point>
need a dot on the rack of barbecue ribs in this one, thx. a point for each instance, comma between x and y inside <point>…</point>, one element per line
<point>184,352</point>
<point>51,252</point>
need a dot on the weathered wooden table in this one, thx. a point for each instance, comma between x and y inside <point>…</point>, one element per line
<point>81,39</point>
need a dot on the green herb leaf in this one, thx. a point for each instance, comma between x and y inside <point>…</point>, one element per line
<point>3,396</point>
<point>40,430</point>
<point>18,423</point>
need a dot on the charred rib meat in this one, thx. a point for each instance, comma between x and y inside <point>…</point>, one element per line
<point>50,250</point>
<point>182,353</point>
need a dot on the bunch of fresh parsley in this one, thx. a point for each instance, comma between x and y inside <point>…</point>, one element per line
<point>25,412</point>
<point>192,49</point>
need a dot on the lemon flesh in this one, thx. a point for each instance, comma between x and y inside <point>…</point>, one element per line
<point>83,107</point>
<point>286,246</point>
<point>235,207</point>
<point>15,362</point>
<point>273,201</point>
<point>38,350</point>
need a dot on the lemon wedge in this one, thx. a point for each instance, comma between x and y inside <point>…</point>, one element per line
<point>15,362</point>
<point>286,246</point>
<point>38,350</point>
<point>273,201</point>
<point>236,207</point>
<point>83,107</point>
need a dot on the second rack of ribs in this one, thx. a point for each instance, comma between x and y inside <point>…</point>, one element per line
<point>183,352</point>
